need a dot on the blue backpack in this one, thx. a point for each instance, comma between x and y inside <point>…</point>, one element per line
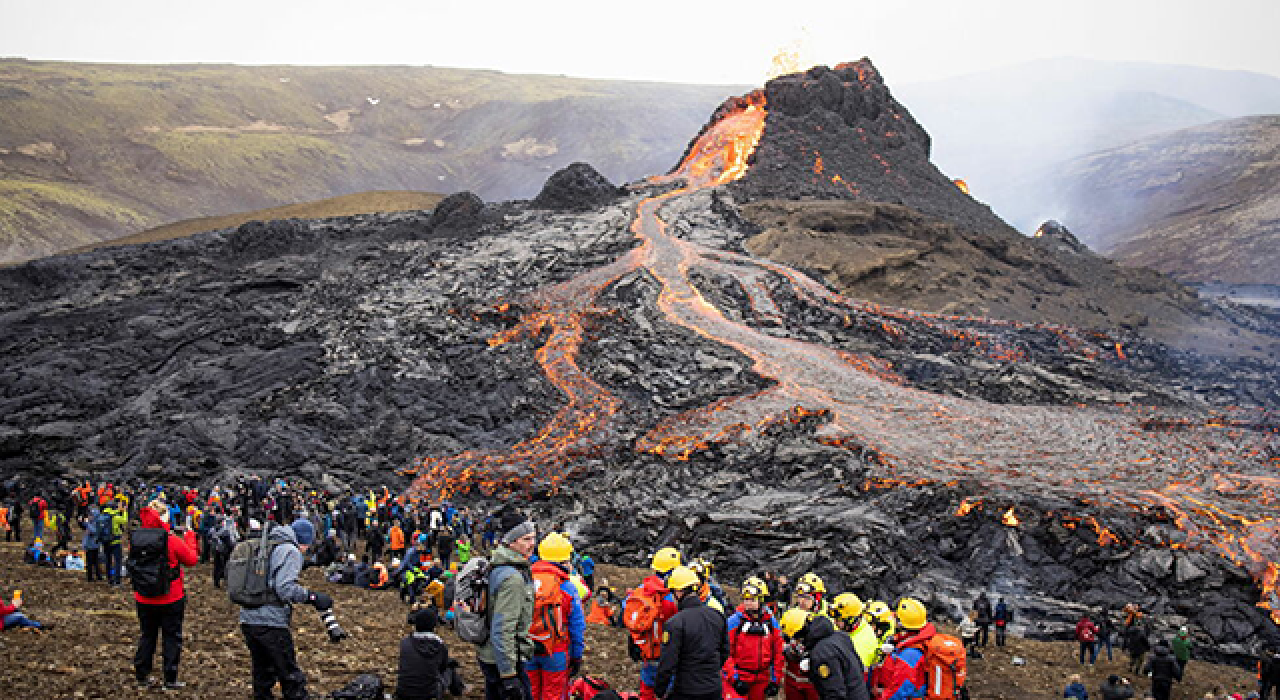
<point>103,526</point>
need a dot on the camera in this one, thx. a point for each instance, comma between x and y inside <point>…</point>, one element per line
<point>336,633</point>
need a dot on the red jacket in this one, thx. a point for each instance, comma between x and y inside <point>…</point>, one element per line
<point>180,555</point>
<point>902,674</point>
<point>1086,631</point>
<point>5,610</point>
<point>755,647</point>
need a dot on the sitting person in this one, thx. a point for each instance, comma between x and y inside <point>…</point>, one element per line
<point>349,571</point>
<point>11,618</point>
<point>73,562</point>
<point>1075,689</point>
<point>36,555</point>
<point>378,577</point>
<point>425,672</point>
<point>363,572</point>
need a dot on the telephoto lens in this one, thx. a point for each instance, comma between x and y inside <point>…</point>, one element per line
<point>336,633</point>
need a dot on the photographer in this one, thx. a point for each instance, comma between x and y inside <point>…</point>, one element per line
<point>266,626</point>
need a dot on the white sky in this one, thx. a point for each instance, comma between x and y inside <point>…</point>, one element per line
<point>665,40</point>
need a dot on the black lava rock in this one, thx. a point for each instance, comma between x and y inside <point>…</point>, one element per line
<point>577,187</point>
<point>459,213</point>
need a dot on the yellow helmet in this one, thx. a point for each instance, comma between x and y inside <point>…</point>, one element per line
<point>813,582</point>
<point>702,568</point>
<point>879,610</point>
<point>682,577</point>
<point>848,606</point>
<point>555,547</point>
<point>754,589</point>
<point>911,613</point>
<point>793,621</point>
<point>665,559</point>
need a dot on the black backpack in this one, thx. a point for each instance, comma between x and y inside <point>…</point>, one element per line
<point>148,563</point>
<point>366,686</point>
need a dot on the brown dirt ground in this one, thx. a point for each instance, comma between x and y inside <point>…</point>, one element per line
<point>89,653</point>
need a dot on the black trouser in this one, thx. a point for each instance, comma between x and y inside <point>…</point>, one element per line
<point>984,634</point>
<point>114,554</point>
<point>1265,687</point>
<point>493,681</point>
<point>92,571</point>
<point>154,619</point>
<point>1162,689</point>
<point>1135,661</point>
<point>271,651</point>
<point>219,566</point>
<point>1000,632</point>
<point>205,546</point>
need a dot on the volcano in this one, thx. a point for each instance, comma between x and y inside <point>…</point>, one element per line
<point>618,357</point>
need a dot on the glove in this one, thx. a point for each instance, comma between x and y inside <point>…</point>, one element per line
<point>337,634</point>
<point>804,664</point>
<point>741,687</point>
<point>887,649</point>
<point>575,667</point>
<point>512,689</point>
<point>772,689</point>
<point>321,601</point>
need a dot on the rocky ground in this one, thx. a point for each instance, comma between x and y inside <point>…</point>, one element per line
<point>89,652</point>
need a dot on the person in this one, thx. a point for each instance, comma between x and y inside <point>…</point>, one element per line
<point>425,671</point>
<point>509,648</point>
<point>464,549</point>
<point>755,666</point>
<point>1002,617</point>
<point>266,627</point>
<point>1106,630</point>
<point>702,568</point>
<point>92,545</point>
<point>645,612</point>
<point>1075,689</point>
<point>1116,688</point>
<point>834,666</point>
<point>796,683</point>
<point>982,606</point>
<point>1136,643</point>
<point>222,539</point>
<point>11,617</point>
<point>900,675</point>
<point>395,541</point>
<point>695,643</point>
<point>587,567</point>
<point>1268,671</point>
<point>849,612</point>
<point>112,547</point>
<point>1163,669</point>
<point>1087,636</point>
<point>885,625</point>
<point>809,592</point>
<point>969,634</point>
<point>1181,646</point>
<point>156,561</point>
<point>559,624</point>
<point>602,608</point>
<point>363,573</point>
<point>445,544</point>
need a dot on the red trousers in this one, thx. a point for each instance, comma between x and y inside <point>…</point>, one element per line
<point>799,691</point>
<point>549,685</point>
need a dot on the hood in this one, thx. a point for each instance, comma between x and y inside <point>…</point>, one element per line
<point>506,556</point>
<point>917,638</point>
<point>1162,649</point>
<point>426,643</point>
<point>282,533</point>
<point>690,601</point>
<point>819,628</point>
<point>546,567</point>
<point>653,586</point>
<point>149,518</point>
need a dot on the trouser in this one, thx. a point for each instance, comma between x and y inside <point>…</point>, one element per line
<point>648,677</point>
<point>274,660</point>
<point>1091,648</point>
<point>757,683</point>
<point>1000,634</point>
<point>1135,661</point>
<point>549,676</point>
<point>205,546</point>
<point>92,569</point>
<point>115,562</point>
<point>797,691</point>
<point>37,525</point>
<point>1162,689</point>
<point>219,566</point>
<point>444,560</point>
<point>14,620</point>
<point>493,682</point>
<point>154,619</point>
<point>984,634</point>
<point>1264,689</point>
<point>1104,641</point>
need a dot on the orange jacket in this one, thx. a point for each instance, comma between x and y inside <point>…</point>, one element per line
<point>397,537</point>
<point>600,614</point>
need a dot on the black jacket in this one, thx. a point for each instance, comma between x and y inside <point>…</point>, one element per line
<point>423,659</point>
<point>983,607</point>
<point>1135,640</point>
<point>1119,691</point>
<point>1269,668</point>
<point>835,669</point>
<point>695,646</point>
<point>1162,665</point>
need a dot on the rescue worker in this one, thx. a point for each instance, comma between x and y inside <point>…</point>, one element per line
<point>810,593</point>
<point>755,646</point>
<point>796,683</point>
<point>848,611</point>
<point>645,645</point>
<point>885,626</point>
<point>559,626</point>
<point>901,674</point>
<point>706,587</point>
<point>834,667</point>
<point>695,643</point>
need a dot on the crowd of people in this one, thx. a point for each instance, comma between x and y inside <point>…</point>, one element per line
<point>524,601</point>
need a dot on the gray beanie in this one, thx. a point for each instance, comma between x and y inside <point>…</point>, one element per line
<point>514,526</point>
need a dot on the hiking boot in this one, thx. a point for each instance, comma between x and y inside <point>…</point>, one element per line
<point>145,683</point>
<point>174,685</point>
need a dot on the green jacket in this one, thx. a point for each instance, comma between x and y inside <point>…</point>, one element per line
<point>511,612</point>
<point>119,523</point>
<point>1181,648</point>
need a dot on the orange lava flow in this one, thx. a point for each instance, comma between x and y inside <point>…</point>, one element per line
<point>1127,456</point>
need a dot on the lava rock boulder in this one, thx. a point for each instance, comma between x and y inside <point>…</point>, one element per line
<point>578,187</point>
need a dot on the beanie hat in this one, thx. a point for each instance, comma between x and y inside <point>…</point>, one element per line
<point>425,620</point>
<point>304,530</point>
<point>514,525</point>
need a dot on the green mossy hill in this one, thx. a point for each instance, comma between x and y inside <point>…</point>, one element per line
<point>91,152</point>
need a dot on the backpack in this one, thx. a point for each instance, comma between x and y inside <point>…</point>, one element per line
<point>945,668</point>
<point>642,617</point>
<point>249,572</point>
<point>550,627</point>
<point>587,688</point>
<point>104,524</point>
<point>471,606</point>
<point>366,686</point>
<point>148,562</point>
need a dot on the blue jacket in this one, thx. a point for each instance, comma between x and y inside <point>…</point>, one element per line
<point>1076,690</point>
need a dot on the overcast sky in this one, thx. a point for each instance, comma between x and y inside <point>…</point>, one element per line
<point>666,40</point>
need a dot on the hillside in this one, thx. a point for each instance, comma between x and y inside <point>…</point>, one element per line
<point>90,152</point>
<point>1202,204</point>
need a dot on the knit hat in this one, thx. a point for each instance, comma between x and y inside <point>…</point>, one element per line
<point>304,530</point>
<point>514,525</point>
<point>425,620</point>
